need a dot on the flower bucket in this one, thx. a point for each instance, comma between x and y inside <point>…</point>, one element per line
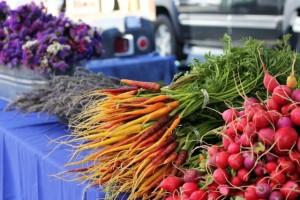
<point>18,80</point>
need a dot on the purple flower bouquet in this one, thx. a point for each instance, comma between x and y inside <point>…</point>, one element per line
<point>42,42</point>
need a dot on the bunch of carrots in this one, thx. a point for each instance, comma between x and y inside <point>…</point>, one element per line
<point>131,137</point>
<point>137,135</point>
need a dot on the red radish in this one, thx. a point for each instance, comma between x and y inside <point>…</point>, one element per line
<point>295,116</point>
<point>233,148</point>
<point>287,108</point>
<point>293,177</point>
<point>212,150</point>
<point>224,190</point>
<point>230,129</point>
<point>295,96</point>
<point>281,94</point>
<point>213,195</point>
<point>295,157</point>
<point>298,144</point>
<point>220,176</point>
<point>252,109</point>
<point>184,197</point>
<point>171,183</point>
<point>242,113</point>
<point>243,174</point>
<point>285,138</point>
<point>286,164</point>
<point>290,190</point>
<point>236,161</point>
<point>263,190</point>
<point>189,187</point>
<point>261,119</point>
<point>191,175</point>
<point>270,157</point>
<point>283,122</point>
<point>250,193</point>
<point>241,124</point>
<point>278,176</point>
<point>266,135</point>
<point>274,116</point>
<point>259,169</point>
<point>269,81</point>
<point>229,115</point>
<point>276,195</point>
<point>199,195</point>
<point>222,159</point>
<point>249,101</point>
<point>250,129</point>
<point>237,139</point>
<point>271,166</point>
<point>249,161</point>
<point>236,181</point>
<point>247,140</point>
<point>271,105</point>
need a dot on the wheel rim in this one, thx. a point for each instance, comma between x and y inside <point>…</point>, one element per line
<point>163,40</point>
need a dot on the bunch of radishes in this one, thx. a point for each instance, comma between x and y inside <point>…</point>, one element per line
<point>259,157</point>
<point>260,153</point>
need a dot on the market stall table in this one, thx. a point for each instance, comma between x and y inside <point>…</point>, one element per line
<point>26,164</point>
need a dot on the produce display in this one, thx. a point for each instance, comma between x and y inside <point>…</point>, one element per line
<point>144,139</point>
<point>59,96</point>
<point>42,42</point>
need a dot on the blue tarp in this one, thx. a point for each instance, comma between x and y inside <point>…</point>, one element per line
<point>150,67</point>
<point>27,164</point>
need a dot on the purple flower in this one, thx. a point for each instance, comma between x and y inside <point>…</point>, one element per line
<point>61,65</point>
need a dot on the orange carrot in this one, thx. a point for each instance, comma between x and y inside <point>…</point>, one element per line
<point>159,98</point>
<point>154,128</point>
<point>146,110</point>
<point>162,111</point>
<point>170,158</point>
<point>171,128</point>
<point>141,84</point>
<point>131,105</point>
<point>122,119</point>
<point>124,95</point>
<point>139,100</point>
<point>118,90</point>
<point>180,160</point>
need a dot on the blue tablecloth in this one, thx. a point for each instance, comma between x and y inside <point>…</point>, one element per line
<point>26,169</point>
<point>150,67</point>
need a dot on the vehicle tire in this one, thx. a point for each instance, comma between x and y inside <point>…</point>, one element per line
<point>166,42</point>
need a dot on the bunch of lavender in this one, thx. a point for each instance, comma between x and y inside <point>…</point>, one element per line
<point>45,43</point>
